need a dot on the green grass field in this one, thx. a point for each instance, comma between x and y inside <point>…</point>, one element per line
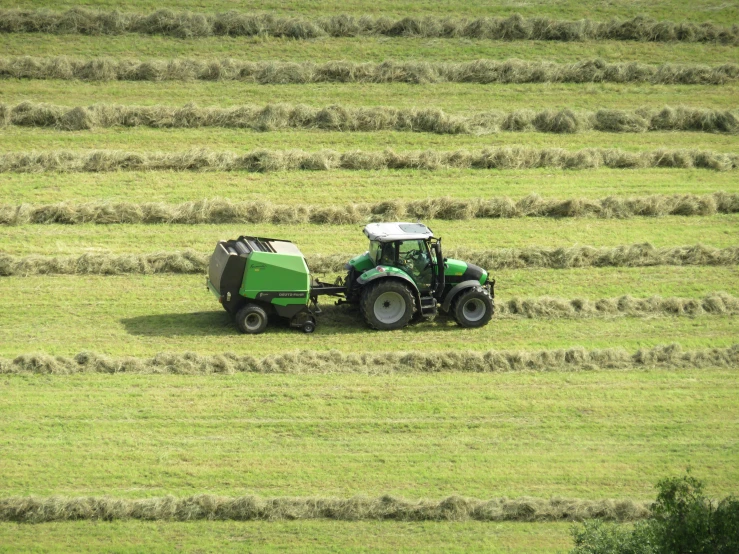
<point>674,10</point>
<point>591,434</point>
<point>323,536</point>
<point>420,436</point>
<point>452,97</point>
<point>375,49</point>
<point>343,187</point>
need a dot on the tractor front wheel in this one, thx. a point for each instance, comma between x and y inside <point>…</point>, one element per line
<point>387,305</point>
<point>472,308</point>
<point>252,319</point>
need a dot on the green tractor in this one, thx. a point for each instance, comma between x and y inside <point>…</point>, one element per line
<point>403,277</point>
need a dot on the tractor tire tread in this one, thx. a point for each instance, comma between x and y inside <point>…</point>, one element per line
<point>459,301</point>
<point>386,285</point>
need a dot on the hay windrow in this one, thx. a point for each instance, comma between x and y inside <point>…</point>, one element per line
<point>273,117</point>
<point>307,361</point>
<point>415,72</point>
<point>549,307</point>
<point>34,509</point>
<point>222,211</point>
<point>262,161</point>
<point>186,24</point>
<point>191,262</point>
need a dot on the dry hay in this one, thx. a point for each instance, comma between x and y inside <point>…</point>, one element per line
<point>274,117</point>
<point>547,307</point>
<point>307,361</point>
<point>188,261</point>
<point>186,24</point>
<point>219,210</point>
<point>635,255</point>
<point>105,264</point>
<point>279,72</point>
<point>34,509</point>
<point>510,157</point>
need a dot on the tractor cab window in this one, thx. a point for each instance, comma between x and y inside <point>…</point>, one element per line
<point>382,253</point>
<point>387,257</point>
<point>414,258</point>
<point>375,249</point>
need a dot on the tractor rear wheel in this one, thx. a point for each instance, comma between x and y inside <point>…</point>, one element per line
<point>472,308</point>
<point>388,304</point>
<point>252,319</point>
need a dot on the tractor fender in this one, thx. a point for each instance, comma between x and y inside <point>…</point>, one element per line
<point>456,289</point>
<point>374,275</point>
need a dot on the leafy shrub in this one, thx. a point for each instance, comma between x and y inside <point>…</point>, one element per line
<point>686,521</point>
<point>598,537</point>
<point>683,521</point>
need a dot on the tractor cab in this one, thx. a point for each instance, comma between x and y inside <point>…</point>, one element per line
<point>409,247</point>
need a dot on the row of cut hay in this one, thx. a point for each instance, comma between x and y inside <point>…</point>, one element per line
<point>273,117</point>
<point>223,211</point>
<point>279,72</point>
<point>232,23</point>
<point>312,361</point>
<point>547,307</point>
<point>509,157</point>
<point>189,262</point>
<point>33,509</point>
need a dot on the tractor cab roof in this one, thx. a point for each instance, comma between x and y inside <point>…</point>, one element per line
<point>390,232</point>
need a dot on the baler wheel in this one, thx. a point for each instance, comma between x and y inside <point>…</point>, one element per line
<point>252,319</point>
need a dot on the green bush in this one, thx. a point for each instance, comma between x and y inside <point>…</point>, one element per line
<point>598,537</point>
<point>683,521</point>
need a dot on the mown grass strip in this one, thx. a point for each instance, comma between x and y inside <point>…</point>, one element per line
<point>509,157</point>
<point>311,361</point>
<point>548,307</point>
<point>189,261</point>
<point>273,117</point>
<point>33,509</point>
<point>186,24</point>
<point>416,72</point>
<point>224,211</point>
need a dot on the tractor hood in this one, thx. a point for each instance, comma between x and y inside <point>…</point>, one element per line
<point>360,263</point>
<point>456,271</point>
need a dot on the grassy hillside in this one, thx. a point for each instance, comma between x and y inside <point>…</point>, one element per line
<point>543,432</point>
<point>417,436</point>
